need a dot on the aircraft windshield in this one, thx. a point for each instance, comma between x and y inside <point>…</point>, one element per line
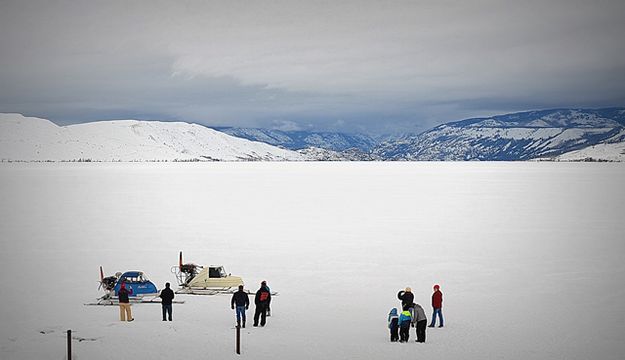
<point>135,279</point>
<point>216,272</point>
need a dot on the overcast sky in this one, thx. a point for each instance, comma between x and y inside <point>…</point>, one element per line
<point>372,66</point>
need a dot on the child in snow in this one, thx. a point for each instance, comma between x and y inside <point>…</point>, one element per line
<point>405,318</point>
<point>393,324</point>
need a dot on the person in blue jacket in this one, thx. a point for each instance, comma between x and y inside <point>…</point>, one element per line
<point>405,319</point>
<point>393,324</point>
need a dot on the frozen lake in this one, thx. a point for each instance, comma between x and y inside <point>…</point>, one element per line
<point>529,257</point>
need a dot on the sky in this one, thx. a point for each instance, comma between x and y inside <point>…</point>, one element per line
<point>376,67</point>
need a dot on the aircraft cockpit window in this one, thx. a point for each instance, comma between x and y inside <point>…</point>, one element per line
<point>214,272</point>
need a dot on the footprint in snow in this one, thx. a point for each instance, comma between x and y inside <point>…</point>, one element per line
<point>81,339</point>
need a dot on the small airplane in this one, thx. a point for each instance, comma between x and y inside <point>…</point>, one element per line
<point>139,287</point>
<point>204,280</point>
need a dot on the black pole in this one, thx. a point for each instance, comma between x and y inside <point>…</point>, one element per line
<point>238,340</point>
<point>69,345</point>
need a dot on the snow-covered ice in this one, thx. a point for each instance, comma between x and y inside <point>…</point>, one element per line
<point>529,257</point>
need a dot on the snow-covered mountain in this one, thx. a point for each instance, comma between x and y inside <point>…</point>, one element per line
<point>518,136</point>
<point>562,134</point>
<point>353,154</point>
<point>34,139</point>
<point>599,152</point>
<point>297,140</point>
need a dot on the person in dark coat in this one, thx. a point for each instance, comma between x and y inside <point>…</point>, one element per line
<point>437,305</point>
<point>262,301</point>
<point>124,303</point>
<point>167,296</point>
<point>242,302</point>
<point>406,296</point>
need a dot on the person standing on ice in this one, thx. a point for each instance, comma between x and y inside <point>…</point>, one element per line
<point>421,321</point>
<point>405,319</point>
<point>393,324</point>
<point>262,301</point>
<point>167,297</point>
<point>406,296</point>
<point>437,305</point>
<point>124,303</point>
<point>242,302</point>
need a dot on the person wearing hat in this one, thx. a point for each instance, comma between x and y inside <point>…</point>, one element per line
<point>124,303</point>
<point>167,297</point>
<point>262,301</point>
<point>437,305</point>
<point>406,296</point>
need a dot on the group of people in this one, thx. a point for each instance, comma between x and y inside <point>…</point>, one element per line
<point>412,314</point>
<point>241,302</point>
<point>262,300</point>
<point>125,311</point>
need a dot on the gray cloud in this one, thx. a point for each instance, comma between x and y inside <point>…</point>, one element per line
<point>352,65</point>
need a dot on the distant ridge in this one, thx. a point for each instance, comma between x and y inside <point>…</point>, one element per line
<point>557,134</point>
<point>34,139</point>
<point>518,136</point>
<point>298,140</point>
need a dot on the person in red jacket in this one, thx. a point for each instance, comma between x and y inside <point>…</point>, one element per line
<point>437,305</point>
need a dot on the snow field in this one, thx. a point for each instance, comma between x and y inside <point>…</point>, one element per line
<point>528,255</point>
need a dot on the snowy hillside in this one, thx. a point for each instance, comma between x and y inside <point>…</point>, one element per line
<point>353,154</point>
<point>599,152</point>
<point>519,136</point>
<point>297,140</point>
<point>33,139</point>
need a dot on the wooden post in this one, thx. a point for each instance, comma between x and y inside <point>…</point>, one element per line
<point>69,345</point>
<point>238,340</point>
